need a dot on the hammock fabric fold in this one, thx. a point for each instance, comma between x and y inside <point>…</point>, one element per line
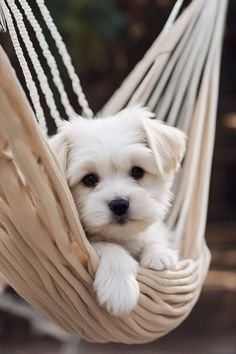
<point>44,253</point>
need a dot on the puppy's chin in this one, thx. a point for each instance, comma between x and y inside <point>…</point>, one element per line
<point>118,230</point>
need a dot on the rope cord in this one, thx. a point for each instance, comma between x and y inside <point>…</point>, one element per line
<point>41,76</point>
<point>10,11</point>
<point>49,58</point>
<point>76,85</point>
<point>3,27</point>
<point>33,92</point>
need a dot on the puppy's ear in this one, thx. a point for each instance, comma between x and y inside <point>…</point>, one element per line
<point>167,143</point>
<point>60,146</point>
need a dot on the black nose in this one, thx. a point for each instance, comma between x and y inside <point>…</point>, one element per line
<point>119,206</point>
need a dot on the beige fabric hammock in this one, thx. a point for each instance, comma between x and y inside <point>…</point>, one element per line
<point>44,253</point>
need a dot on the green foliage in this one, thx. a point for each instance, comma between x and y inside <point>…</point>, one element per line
<point>87,27</point>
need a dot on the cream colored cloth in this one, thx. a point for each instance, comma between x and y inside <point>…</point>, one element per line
<point>44,253</point>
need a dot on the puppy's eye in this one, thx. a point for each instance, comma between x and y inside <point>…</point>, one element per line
<point>90,180</point>
<point>137,172</point>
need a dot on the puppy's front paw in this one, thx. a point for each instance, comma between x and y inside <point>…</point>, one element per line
<point>117,292</point>
<point>115,280</point>
<point>159,259</point>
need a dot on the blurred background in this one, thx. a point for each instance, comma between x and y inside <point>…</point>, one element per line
<point>106,38</point>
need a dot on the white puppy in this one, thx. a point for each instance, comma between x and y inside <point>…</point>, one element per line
<point>120,170</point>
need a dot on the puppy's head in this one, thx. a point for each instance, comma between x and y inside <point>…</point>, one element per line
<point>119,170</point>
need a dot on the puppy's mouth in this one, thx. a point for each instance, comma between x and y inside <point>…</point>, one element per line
<point>120,220</point>
<point>123,220</point>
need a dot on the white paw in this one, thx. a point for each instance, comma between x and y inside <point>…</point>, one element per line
<point>119,293</point>
<point>159,259</point>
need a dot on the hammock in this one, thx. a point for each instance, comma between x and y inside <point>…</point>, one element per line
<point>44,253</point>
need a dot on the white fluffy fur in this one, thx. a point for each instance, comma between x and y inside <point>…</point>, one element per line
<point>110,147</point>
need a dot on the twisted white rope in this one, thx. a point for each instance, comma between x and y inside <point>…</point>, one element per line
<point>33,92</point>
<point>49,57</point>
<point>9,10</point>
<point>41,76</point>
<point>51,61</point>
<point>76,85</point>
<point>3,27</point>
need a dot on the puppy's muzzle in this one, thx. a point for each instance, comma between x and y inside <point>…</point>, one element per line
<point>119,207</point>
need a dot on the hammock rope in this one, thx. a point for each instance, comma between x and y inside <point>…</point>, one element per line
<point>32,89</point>
<point>44,253</point>
<point>76,85</point>
<point>50,60</point>
<point>11,11</point>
